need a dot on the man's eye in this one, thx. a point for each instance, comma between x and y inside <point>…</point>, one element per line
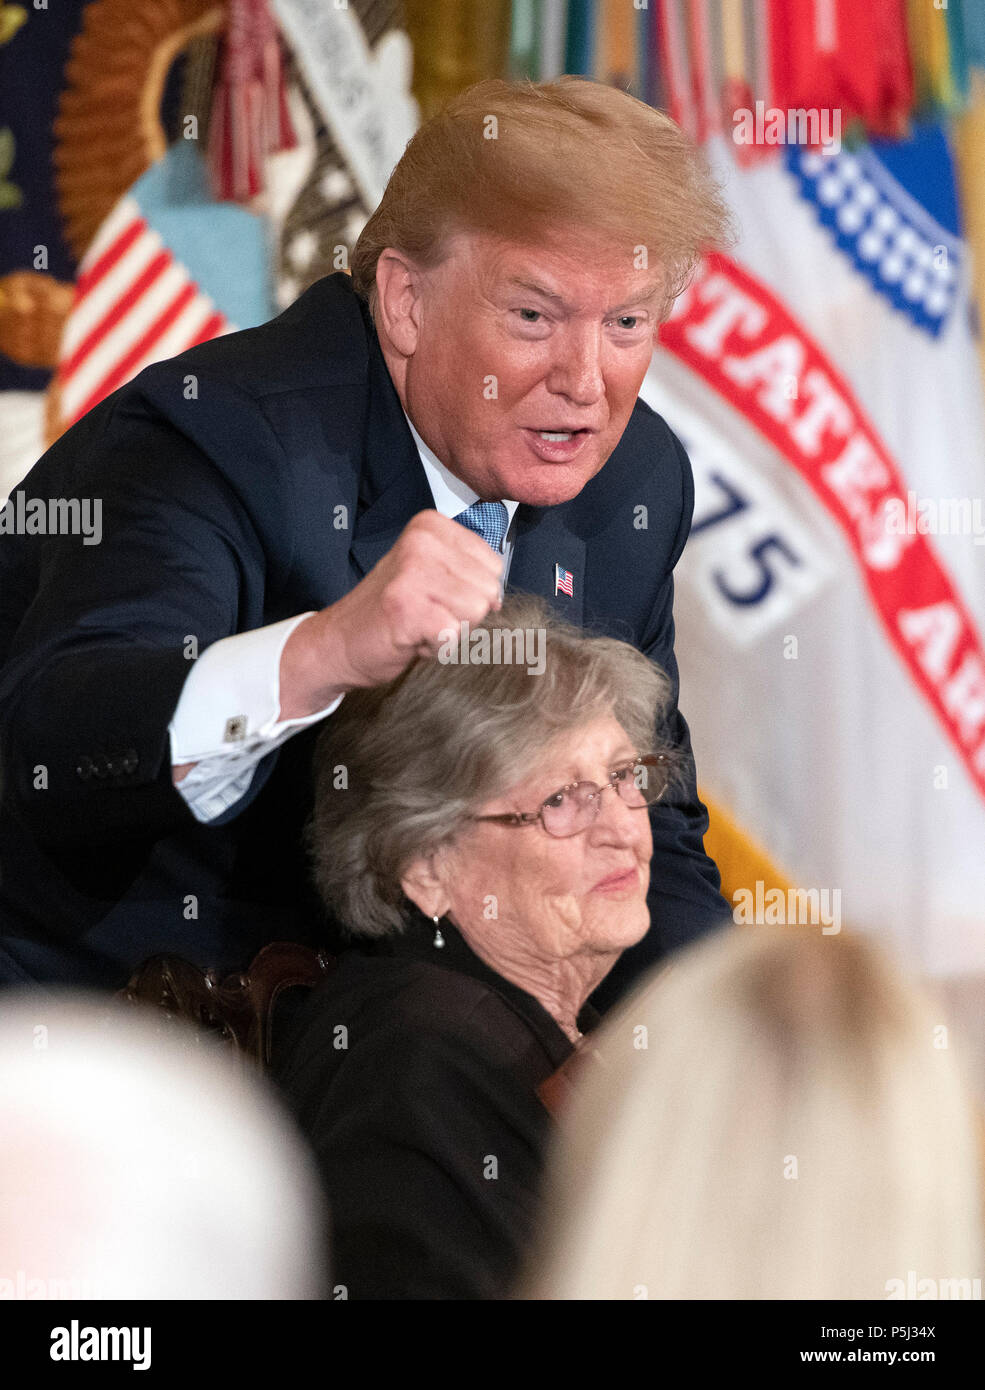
<point>628,321</point>
<point>534,312</point>
<point>556,800</point>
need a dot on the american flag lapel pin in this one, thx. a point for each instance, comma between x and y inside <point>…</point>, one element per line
<point>564,581</point>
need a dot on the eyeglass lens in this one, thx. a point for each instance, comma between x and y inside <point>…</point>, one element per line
<point>571,810</point>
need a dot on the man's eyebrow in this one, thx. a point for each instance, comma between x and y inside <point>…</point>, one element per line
<point>644,298</point>
<point>534,288</point>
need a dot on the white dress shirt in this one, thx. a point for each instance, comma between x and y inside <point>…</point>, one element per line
<point>228,715</point>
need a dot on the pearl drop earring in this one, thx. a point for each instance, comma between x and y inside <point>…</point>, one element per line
<point>439,940</point>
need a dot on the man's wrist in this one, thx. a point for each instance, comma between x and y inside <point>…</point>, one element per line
<point>312,668</point>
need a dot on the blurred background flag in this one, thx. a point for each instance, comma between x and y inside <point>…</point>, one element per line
<point>824,381</point>
<point>117,245</point>
<point>167,269</point>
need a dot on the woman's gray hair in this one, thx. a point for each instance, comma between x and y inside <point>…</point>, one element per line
<point>399,767</point>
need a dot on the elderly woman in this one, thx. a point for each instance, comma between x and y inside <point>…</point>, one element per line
<point>482,831</point>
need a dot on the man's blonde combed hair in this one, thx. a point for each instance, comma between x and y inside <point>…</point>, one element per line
<point>525,161</point>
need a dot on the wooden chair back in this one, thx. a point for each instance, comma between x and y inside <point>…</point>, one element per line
<point>238,1009</point>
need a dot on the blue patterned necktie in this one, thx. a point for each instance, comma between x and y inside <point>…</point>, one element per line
<point>489,520</point>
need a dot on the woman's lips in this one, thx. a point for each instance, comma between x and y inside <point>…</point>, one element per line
<point>557,451</point>
<point>615,882</point>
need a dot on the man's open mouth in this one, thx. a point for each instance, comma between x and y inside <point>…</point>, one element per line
<point>557,445</point>
<point>557,432</point>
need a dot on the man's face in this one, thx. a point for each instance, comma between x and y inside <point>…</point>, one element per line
<point>514,340</point>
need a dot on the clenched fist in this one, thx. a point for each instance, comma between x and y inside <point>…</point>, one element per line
<point>438,574</point>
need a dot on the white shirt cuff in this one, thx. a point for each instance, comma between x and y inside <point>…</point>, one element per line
<point>228,717</point>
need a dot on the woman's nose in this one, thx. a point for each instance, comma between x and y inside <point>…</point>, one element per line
<point>616,820</point>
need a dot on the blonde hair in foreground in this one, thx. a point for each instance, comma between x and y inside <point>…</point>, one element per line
<point>791,1129</point>
<point>524,160</point>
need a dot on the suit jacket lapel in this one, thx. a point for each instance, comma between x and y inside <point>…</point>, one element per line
<point>393,486</point>
<point>542,541</point>
<point>378,527</point>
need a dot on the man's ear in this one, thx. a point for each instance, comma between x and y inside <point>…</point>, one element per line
<point>398,300</point>
<point>423,883</point>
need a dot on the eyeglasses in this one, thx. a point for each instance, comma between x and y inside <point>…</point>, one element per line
<point>640,782</point>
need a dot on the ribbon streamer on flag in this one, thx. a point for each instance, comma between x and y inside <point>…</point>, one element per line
<point>249,113</point>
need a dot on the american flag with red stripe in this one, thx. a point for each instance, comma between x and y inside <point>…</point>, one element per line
<point>564,581</point>
<point>135,304</point>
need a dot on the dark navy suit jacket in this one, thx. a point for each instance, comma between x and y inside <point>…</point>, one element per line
<point>220,473</point>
